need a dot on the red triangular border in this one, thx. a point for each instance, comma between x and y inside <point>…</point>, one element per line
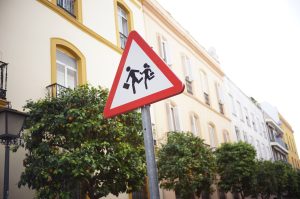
<point>178,86</point>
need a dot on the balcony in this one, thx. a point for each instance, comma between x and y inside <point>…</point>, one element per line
<point>3,80</point>
<point>279,144</point>
<point>68,6</point>
<point>54,90</point>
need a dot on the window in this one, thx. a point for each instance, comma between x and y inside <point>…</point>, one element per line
<point>212,135</point>
<point>72,7</point>
<point>164,49</point>
<point>245,137</point>
<point>123,21</point>
<point>220,96</point>
<point>67,65</point>
<point>259,127</point>
<point>240,111</point>
<point>247,117</point>
<point>186,62</point>
<point>173,117</point>
<point>204,85</point>
<point>123,26</point>
<point>253,122</point>
<point>66,70</point>
<point>237,131</point>
<point>232,105</point>
<point>226,137</point>
<point>195,124</point>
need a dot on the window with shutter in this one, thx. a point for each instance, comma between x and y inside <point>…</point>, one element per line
<point>186,62</point>
<point>204,85</point>
<point>164,49</point>
<point>220,97</point>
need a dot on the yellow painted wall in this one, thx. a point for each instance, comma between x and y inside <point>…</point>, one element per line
<point>289,139</point>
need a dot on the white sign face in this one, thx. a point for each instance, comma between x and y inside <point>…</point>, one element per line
<point>140,77</point>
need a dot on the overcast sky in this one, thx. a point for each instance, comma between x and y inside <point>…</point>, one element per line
<point>258,44</point>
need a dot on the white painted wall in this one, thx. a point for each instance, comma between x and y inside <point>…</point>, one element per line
<point>260,134</point>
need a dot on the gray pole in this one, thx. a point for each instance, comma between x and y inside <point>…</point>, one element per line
<point>6,171</point>
<point>150,157</point>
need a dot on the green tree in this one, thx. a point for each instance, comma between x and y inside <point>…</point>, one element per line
<point>286,180</point>
<point>236,167</point>
<point>292,187</point>
<point>265,182</point>
<point>70,146</point>
<point>186,165</point>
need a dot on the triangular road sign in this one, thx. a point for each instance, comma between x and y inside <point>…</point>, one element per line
<point>141,79</point>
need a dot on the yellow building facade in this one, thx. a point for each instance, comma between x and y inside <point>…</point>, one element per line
<point>289,139</point>
<point>48,43</point>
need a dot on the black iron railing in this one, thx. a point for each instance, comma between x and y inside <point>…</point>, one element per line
<point>123,40</point>
<point>3,80</point>
<point>68,6</point>
<point>54,90</point>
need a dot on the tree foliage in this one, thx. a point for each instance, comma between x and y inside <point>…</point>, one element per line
<point>236,167</point>
<point>265,182</point>
<point>276,178</point>
<point>71,146</point>
<point>186,165</point>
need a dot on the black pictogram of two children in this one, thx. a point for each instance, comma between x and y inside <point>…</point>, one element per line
<point>148,75</point>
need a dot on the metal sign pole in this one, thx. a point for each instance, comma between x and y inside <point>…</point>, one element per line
<point>150,157</point>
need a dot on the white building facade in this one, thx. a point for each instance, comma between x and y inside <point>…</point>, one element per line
<point>248,121</point>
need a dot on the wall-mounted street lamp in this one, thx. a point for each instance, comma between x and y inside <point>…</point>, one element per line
<point>11,124</point>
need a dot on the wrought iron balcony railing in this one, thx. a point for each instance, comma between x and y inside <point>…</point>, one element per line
<point>68,6</point>
<point>3,80</point>
<point>54,90</point>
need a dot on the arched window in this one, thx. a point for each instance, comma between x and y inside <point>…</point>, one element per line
<point>195,124</point>
<point>124,22</point>
<point>212,135</point>
<point>226,137</point>
<point>68,67</point>
<point>173,117</point>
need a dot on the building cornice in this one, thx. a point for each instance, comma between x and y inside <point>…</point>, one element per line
<point>156,11</point>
